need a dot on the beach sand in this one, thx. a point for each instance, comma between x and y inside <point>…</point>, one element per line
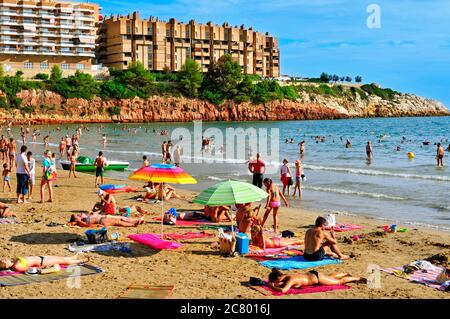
<point>196,270</point>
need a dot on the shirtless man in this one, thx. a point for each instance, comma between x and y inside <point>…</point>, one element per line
<point>369,151</point>
<point>100,169</point>
<point>68,144</point>
<point>3,147</point>
<point>169,152</point>
<point>302,148</point>
<point>62,147</point>
<point>12,152</point>
<point>317,240</point>
<point>163,151</point>
<point>440,155</point>
<point>104,140</point>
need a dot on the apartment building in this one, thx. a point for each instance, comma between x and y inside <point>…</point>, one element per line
<point>35,35</point>
<point>161,45</point>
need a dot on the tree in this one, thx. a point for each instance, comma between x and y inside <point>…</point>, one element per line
<point>358,79</point>
<point>41,76</point>
<point>342,78</point>
<point>80,85</point>
<point>223,78</point>
<point>335,78</point>
<point>135,79</point>
<point>55,74</point>
<point>348,79</point>
<point>191,78</point>
<point>324,77</point>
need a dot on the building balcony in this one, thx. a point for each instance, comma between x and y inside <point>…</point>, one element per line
<point>9,22</point>
<point>8,51</point>
<point>45,25</point>
<point>9,41</point>
<point>10,32</point>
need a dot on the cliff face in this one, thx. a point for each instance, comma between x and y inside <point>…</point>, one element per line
<point>48,107</point>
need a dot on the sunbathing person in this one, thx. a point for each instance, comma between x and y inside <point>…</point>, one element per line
<point>22,264</point>
<point>319,243</point>
<point>151,191</point>
<point>282,283</point>
<point>218,214</point>
<point>166,192</point>
<point>260,240</point>
<point>5,211</point>
<point>246,216</point>
<point>96,220</point>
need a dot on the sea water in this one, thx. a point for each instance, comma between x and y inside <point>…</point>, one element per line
<point>391,187</point>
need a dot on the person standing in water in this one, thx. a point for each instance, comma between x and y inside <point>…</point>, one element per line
<point>286,177</point>
<point>440,155</point>
<point>369,151</point>
<point>298,179</point>
<point>104,141</point>
<point>302,148</point>
<point>163,151</point>
<point>257,168</point>
<point>177,156</point>
<point>62,147</point>
<point>100,169</point>
<point>145,161</point>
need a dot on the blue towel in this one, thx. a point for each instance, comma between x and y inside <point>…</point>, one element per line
<point>298,262</point>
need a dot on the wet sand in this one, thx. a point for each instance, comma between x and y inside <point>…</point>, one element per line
<point>196,270</point>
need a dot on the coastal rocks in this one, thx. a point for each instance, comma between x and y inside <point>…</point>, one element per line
<point>46,107</point>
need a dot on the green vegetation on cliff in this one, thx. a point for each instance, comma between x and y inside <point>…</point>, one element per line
<point>223,81</point>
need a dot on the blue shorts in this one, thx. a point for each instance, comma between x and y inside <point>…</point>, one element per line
<point>22,183</point>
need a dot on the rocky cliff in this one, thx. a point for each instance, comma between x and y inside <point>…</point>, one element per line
<point>48,107</point>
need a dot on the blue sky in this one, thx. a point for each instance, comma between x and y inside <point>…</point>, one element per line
<point>409,53</point>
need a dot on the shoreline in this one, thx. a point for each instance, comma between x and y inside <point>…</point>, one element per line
<point>214,276</point>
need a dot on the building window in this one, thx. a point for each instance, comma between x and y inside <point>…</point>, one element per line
<point>44,65</point>
<point>128,29</point>
<point>150,30</point>
<point>80,66</point>
<point>28,65</point>
<point>65,66</point>
<point>168,33</point>
<point>137,29</point>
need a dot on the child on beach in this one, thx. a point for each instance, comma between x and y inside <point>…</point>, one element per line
<point>6,177</point>
<point>273,202</point>
<point>32,169</point>
<point>298,179</point>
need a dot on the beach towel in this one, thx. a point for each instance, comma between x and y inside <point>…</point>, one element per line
<point>283,254</point>
<point>154,241</point>
<point>8,221</point>
<point>147,292</point>
<point>344,227</point>
<point>267,291</point>
<point>14,279</point>
<point>187,222</point>
<point>225,228</point>
<point>298,262</point>
<point>426,278</point>
<point>108,246</point>
<point>188,235</point>
<point>127,189</point>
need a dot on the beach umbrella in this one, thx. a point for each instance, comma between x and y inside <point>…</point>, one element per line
<point>230,193</point>
<point>162,173</point>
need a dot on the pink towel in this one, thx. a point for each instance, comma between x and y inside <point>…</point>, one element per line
<point>189,235</point>
<point>154,241</point>
<point>265,290</point>
<point>187,222</point>
<point>344,227</point>
<point>274,253</point>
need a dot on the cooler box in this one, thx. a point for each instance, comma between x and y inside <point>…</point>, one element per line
<point>242,243</point>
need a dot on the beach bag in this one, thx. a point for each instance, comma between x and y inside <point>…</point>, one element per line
<point>290,181</point>
<point>96,236</point>
<point>331,220</point>
<point>227,243</point>
<point>50,174</point>
<point>170,217</point>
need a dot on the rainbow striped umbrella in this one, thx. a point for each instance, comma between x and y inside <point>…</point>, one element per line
<point>162,173</point>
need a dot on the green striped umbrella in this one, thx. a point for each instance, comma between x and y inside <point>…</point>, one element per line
<point>230,193</point>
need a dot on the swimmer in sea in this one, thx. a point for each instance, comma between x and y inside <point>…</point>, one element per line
<point>369,151</point>
<point>440,155</point>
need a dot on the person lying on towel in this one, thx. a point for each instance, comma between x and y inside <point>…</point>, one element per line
<point>262,241</point>
<point>22,264</point>
<point>217,214</point>
<point>282,283</point>
<point>5,211</point>
<point>96,220</point>
<point>319,243</point>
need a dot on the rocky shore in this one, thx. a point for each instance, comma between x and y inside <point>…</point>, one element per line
<point>46,107</point>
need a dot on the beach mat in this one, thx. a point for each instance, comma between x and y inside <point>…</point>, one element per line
<point>285,253</point>
<point>344,227</point>
<point>108,246</point>
<point>15,279</point>
<point>9,221</point>
<point>147,292</point>
<point>428,278</point>
<point>267,291</point>
<point>226,228</point>
<point>154,241</point>
<point>188,235</point>
<point>298,262</point>
<point>186,222</point>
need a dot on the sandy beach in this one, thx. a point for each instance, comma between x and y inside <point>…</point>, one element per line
<point>196,270</point>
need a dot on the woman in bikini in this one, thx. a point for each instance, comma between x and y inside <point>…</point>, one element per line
<point>96,220</point>
<point>273,202</point>
<point>246,216</point>
<point>217,214</point>
<point>263,242</point>
<point>282,283</point>
<point>166,192</point>
<point>22,264</point>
